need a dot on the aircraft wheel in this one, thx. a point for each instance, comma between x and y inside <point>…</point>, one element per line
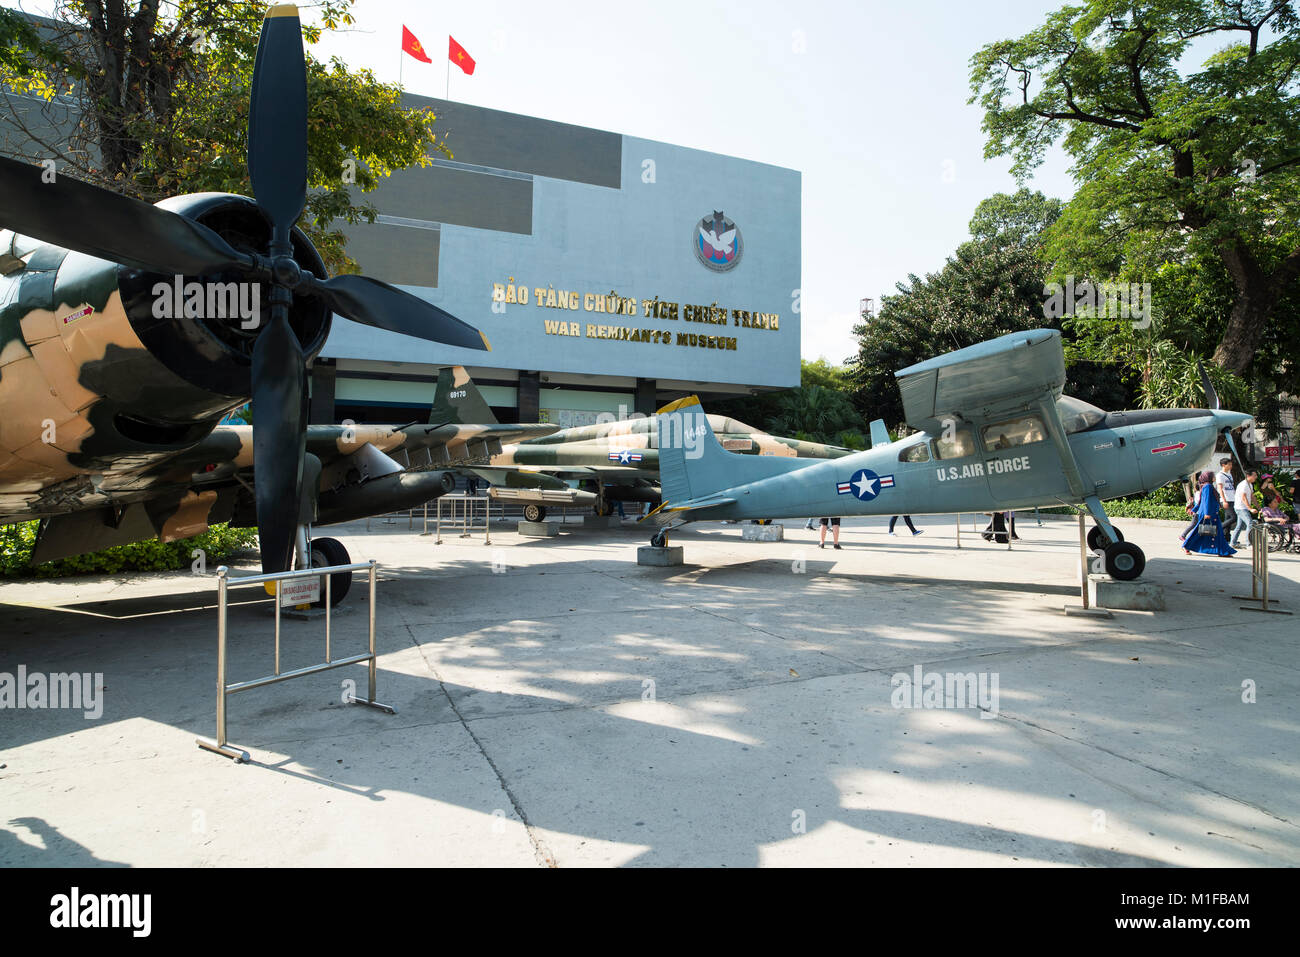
<point>604,509</point>
<point>660,538</point>
<point>1097,541</point>
<point>326,552</point>
<point>1124,561</point>
<point>534,512</point>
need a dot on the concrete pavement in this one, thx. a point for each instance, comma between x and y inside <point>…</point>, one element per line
<point>559,705</point>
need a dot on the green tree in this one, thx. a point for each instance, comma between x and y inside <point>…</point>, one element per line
<point>992,285</point>
<point>1173,164</point>
<point>161,92</point>
<point>820,410</point>
<point>983,291</point>
<point>1015,219</point>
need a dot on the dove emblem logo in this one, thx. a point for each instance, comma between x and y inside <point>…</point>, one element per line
<point>717,242</point>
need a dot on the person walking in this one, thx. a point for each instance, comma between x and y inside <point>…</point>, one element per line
<point>907,518</point>
<point>833,523</point>
<point>1226,486</point>
<point>1244,504</point>
<point>1205,535</point>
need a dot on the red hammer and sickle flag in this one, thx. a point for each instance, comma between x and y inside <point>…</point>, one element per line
<point>456,53</point>
<point>412,46</point>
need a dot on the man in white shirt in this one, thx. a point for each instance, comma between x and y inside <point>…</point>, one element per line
<point>1244,503</point>
<point>1226,485</point>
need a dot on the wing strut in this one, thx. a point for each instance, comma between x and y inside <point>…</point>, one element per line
<point>1070,465</point>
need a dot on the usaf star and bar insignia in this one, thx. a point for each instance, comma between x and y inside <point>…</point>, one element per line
<point>865,485</point>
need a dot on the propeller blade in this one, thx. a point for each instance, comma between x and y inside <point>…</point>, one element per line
<point>1211,396</point>
<point>378,304</point>
<point>76,215</point>
<point>277,121</point>
<point>1236,452</point>
<point>279,440</point>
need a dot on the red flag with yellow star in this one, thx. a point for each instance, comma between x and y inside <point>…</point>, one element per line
<point>412,46</point>
<point>456,53</point>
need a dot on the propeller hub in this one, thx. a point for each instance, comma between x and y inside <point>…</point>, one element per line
<point>286,272</point>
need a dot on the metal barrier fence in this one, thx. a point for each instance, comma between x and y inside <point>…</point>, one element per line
<point>468,507</point>
<point>224,690</point>
<point>1259,573</point>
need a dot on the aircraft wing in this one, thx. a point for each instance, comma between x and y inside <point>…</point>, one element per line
<point>984,381</point>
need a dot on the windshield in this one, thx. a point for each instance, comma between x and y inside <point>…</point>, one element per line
<point>1077,415</point>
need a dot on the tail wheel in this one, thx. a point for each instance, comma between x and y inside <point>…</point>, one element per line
<point>1097,541</point>
<point>324,553</point>
<point>534,513</point>
<point>1124,561</point>
<point>660,538</point>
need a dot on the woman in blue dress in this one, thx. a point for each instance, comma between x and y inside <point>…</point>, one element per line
<point>1207,512</point>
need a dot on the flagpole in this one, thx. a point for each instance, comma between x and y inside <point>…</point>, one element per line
<point>447,90</point>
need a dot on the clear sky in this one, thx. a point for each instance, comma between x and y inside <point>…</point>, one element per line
<point>866,99</point>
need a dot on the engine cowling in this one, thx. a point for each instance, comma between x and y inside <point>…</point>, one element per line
<point>203,328</point>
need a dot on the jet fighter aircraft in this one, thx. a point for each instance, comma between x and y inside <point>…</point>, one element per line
<point>996,433</point>
<point>613,461</point>
<point>120,351</point>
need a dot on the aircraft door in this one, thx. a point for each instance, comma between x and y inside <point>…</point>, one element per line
<point>1020,462</point>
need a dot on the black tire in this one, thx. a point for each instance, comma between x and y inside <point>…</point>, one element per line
<point>534,512</point>
<point>660,538</point>
<point>324,553</point>
<point>603,509</point>
<point>1097,541</point>
<point>1124,561</point>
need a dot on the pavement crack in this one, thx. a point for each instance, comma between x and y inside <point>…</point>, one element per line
<point>541,852</point>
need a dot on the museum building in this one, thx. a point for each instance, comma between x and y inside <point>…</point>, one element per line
<point>611,274</point>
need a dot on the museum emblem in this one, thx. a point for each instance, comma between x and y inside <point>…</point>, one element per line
<point>717,241</point>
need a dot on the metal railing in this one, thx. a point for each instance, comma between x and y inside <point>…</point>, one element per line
<point>224,690</point>
<point>1259,573</point>
<point>468,507</point>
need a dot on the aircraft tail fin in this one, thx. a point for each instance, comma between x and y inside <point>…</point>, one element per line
<point>695,470</point>
<point>457,401</point>
<point>879,434</point>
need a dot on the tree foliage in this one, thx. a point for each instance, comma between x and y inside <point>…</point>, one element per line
<point>991,286</point>
<point>151,99</point>
<point>820,410</point>
<point>1174,164</point>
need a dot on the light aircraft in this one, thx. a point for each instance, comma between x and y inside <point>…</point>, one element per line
<point>995,433</point>
<point>121,349</point>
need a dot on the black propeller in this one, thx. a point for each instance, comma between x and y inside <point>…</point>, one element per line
<point>1212,397</point>
<point>94,221</point>
<point>77,215</point>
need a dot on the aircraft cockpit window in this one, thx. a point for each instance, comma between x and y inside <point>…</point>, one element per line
<point>1008,435</point>
<point>958,445</point>
<point>1077,415</point>
<point>920,452</point>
